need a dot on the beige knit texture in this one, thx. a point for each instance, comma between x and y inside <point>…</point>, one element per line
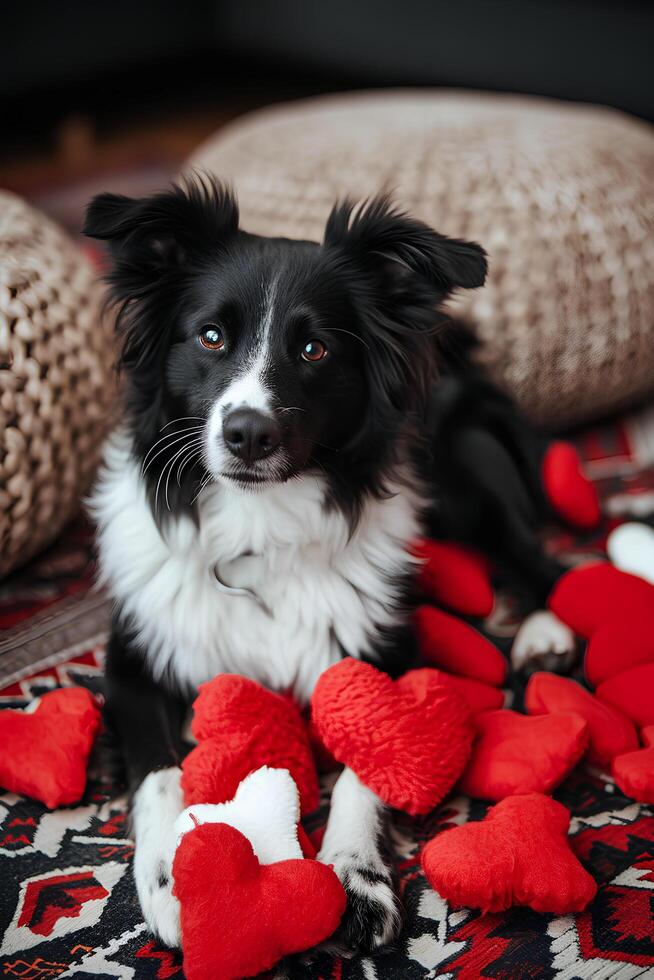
<point>56,379</point>
<point>560,195</point>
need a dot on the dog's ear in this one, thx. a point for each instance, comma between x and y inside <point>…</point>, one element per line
<point>387,240</point>
<point>150,234</point>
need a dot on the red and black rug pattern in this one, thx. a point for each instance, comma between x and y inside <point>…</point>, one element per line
<point>68,906</point>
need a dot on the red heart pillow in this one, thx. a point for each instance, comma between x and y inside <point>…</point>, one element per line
<point>241,726</point>
<point>408,740</point>
<point>455,576</point>
<point>587,597</point>
<point>610,733</point>
<point>614,611</point>
<point>239,917</point>
<point>453,645</point>
<point>569,491</point>
<point>518,854</point>
<point>479,697</point>
<point>515,753</point>
<point>626,641</point>
<point>45,752</point>
<point>632,692</point>
<point>634,771</point>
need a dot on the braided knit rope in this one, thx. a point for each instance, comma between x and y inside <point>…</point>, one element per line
<point>560,195</point>
<point>56,379</point>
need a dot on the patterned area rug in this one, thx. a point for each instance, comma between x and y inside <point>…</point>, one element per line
<point>67,901</point>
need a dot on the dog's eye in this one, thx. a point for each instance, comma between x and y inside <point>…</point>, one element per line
<point>314,351</point>
<point>211,337</point>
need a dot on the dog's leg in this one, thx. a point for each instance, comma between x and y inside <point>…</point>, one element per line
<point>147,720</point>
<point>357,846</point>
<point>543,642</point>
<point>157,804</point>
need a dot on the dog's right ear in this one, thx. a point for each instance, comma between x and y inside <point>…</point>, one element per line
<point>159,232</point>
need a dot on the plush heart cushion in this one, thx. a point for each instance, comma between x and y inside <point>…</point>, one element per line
<point>614,611</point>
<point>517,855</point>
<point>479,697</point>
<point>569,491</point>
<point>453,645</point>
<point>632,692</point>
<point>239,917</point>
<point>588,596</point>
<point>408,740</point>
<point>634,771</point>
<point>45,752</point>
<point>515,753</point>
<point>610,733</point>
<point>624,642</point>
<point>455,576</point>
<point>241,726</point>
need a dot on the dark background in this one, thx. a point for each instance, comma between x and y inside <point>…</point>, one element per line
<point>86,83</point>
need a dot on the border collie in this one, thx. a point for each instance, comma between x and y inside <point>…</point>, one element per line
<point>290,425</point>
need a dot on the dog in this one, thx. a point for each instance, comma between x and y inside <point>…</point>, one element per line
<point>292,422</point>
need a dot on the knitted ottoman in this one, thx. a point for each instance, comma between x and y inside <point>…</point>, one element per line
<point>559,194</point>
<point>56,379</point>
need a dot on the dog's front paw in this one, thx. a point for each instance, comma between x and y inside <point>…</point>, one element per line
<point>373,916</point>
<point>160,908</point>
<point>157,804</point>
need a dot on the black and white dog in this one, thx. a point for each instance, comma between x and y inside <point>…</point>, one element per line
<point>288,431</point>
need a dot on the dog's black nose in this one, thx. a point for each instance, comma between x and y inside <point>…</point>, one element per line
<point>250,434</point>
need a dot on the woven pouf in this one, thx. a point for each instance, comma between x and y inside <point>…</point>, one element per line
<point>560,195</point>
<point>56,379</point>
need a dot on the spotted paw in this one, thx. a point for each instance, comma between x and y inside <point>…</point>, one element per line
<point>373,916</point>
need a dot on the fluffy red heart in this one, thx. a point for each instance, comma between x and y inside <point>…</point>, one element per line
<point>479,697</point>
<point>610,733</point>
<point>569,491</point>
<point>408,740</point>
<point>453,645</point>
<point>45,752</point>
<point>632,692</point>
<point>634,771</point>
<point>455,576</point>
<point>515,753</point>
<point>240,917</point>
<point>518,854</point>
<point>241,726</point>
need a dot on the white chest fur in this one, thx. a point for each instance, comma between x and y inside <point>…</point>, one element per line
<point>326,589</point>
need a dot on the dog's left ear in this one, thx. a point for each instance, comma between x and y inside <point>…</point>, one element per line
<point>152,233</point>
<point>385,240</point>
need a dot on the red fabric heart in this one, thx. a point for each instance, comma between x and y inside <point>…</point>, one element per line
<point>589,596</point>
<point>241,726</point>
<point>625,642</point>
<point>632,692</point>
<point>614,611</point>
<point>45,752</point>
<point>515,753</point>
<point>479,697</point>
<point>634,771</point>
<point>519,854</point>
<point>569,491</point>
<point>453,645</point>
<point>408,740</point>
<point>610,732</point>
<point>455,576</point>
<point>240,917</point>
